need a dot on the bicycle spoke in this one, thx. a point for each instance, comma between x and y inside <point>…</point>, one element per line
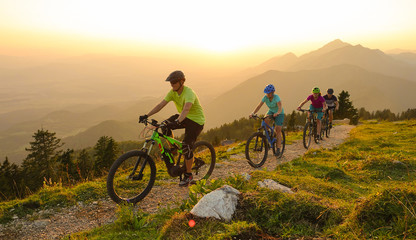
<point>131,177</point>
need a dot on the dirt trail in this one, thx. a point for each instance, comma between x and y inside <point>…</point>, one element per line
<point>55,225</point>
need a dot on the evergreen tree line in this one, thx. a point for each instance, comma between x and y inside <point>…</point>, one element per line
<point>387,115</point>
<point>46,163</point>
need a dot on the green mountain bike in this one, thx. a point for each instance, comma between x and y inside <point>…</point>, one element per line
<point>133,174</point>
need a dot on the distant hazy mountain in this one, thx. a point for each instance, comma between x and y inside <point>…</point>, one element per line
<point>371,90</point>
<point>75,125</point>
<point>338,52</point>
<point>84,98</point>
<point>407,57</point>
<point>120,131</point>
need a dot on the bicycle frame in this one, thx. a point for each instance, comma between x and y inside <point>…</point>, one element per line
<point>266,126</point>
<point>156,139</point>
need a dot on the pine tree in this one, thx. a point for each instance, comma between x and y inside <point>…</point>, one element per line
<point>68,169</point>
<point>346,109</point>
<point>105,154</point>
<point>10,180</point>
<point>84,164</point>
<point>41,162</point>
<point>292,121</point>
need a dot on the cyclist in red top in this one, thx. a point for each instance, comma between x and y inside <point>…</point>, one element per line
<point>317,104</point>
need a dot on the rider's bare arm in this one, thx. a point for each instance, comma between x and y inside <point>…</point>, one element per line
<point>158,107</point>
<point>257,108</point>
<point>302,103</point>
<point>279,104</point>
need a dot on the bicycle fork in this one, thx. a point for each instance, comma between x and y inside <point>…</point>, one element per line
<point>139,176</point>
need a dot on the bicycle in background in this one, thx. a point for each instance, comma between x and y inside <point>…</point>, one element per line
<point>325,127</point>
<point>310,129</point>
<point>133,174</point>
<point>259,143</point>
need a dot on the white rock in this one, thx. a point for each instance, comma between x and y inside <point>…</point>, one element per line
<point>220,204</point>
<point>270,184</point>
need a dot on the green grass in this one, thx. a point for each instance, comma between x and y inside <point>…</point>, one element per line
<point>363,189</point>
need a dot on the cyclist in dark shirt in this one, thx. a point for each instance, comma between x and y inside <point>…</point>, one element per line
<point>332,103</point>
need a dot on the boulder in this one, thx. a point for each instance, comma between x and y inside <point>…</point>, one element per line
<point>270,184</point>
<point>220,204</point>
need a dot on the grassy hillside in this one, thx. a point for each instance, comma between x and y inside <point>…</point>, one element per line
<point>363,189</point>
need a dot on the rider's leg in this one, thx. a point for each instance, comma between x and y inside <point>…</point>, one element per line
<point>192,130</point>
<point>278,131</point>
<point>318,126</point>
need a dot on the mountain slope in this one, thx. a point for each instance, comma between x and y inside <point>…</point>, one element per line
<point>370,90</point>
<point>369,59</point>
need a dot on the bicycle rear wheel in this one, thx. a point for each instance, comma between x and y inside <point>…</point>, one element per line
<point>256,149</point>
<point>307,135</point>
<point>204,160</point>
<point>131,177</point>
<point>283,144</point>
<point>328,129</point>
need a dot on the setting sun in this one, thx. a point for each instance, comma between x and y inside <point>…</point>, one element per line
<point>215,26</point>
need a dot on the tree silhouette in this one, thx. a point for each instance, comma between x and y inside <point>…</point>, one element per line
<point>84,164</point>
<point>41,162</point>
<point>346,109</point>
<point>105,154</point>
<point>10,180</point>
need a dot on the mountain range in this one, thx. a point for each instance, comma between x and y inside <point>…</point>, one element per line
<point>374,79</point>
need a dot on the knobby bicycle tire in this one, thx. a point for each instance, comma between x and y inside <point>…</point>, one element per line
<point>328,130</point>
<point>204,160</point>
<point>121,186</point>
<point>307,135</point>
<point>324,126</point>
<point>256,150</point>
<point>315,132</point>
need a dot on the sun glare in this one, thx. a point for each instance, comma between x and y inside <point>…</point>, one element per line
<point>215,26</point>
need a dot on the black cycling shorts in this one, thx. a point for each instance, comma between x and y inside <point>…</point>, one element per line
<point>192,130</point>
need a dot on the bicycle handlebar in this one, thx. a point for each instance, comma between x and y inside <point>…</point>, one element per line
<point>255,116</point>
<point>308,110</point>
<point>153,122</point>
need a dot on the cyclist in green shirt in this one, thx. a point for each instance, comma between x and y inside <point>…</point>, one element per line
<point>191,117</point>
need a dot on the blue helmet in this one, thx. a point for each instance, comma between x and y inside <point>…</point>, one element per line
<point>269,88</point>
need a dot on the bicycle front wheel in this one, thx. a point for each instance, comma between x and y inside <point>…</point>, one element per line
<point>204,160</point>
<point>131,177</point>
<point>256,149</point>
<point>283,143</point>
<point>307,135</point>
<point>324,127</point>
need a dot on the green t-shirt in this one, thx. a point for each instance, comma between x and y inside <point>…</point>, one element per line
<point>188,95</point>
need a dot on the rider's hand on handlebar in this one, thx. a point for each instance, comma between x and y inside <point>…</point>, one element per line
<point>298,108</point>
<point>143,118</point>
<point>173,124</point>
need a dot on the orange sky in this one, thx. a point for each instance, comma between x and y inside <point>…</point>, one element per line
<point>217,28</point>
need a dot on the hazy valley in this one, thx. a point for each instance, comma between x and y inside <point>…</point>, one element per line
<point>87,97</point>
